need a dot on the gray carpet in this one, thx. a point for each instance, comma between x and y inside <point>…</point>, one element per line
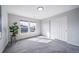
<point>41,45</point>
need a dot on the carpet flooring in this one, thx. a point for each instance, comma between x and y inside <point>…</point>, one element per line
<point>41,45</point>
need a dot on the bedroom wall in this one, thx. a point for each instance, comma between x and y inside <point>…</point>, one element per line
<point>73,27</point>
<point>15,18</point>
<point>4,39</point>
<point>70,21</point>
<point>45,28</point>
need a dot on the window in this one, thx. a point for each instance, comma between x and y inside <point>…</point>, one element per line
<point>27,26</point>
<point>24,26</point>
<point>32,27</point>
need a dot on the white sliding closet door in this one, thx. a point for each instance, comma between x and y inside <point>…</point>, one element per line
<point>59,28</point>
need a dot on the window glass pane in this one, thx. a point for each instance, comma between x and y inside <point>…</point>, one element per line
<point>32,27</point>
<point>24,26</point>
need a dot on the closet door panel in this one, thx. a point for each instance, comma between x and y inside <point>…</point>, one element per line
<point>59,28</point>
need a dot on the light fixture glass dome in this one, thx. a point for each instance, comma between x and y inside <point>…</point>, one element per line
<point>40,8</point>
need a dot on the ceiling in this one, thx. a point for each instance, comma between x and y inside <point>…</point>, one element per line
<point>32,12</point>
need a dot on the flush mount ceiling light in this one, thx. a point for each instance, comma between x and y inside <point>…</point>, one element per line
<point>40,8</point>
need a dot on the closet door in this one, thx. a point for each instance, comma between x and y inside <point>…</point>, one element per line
<point>59,28</point>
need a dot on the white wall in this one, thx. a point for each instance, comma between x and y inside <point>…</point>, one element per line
<point>4,39</point>
<point>14,18</point>
<point>45,28</point>
<point>64,26</point>
<point>73,27</point>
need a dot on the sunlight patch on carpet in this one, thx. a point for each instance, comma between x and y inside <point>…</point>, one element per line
<point>40,40</point>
